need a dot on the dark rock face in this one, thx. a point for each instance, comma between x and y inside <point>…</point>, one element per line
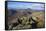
<point>11,12</point>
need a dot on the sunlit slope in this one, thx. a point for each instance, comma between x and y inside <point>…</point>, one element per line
<point>41,18</point>
<point>40,15</point>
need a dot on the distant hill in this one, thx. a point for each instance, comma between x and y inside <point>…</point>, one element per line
<point>12,12</point>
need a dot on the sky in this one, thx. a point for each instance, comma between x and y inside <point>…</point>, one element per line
<point>22,5</point>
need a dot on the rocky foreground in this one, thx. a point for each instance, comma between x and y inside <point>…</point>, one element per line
<point>25,20</point>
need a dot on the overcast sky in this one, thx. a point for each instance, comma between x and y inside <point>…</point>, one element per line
<point>22,5</point>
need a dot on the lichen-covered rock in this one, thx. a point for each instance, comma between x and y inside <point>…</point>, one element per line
<point>24,20</point>
<point>18,27</point>
<point>34,18</point>
<point>40,24</point>
<point>27,26</point>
